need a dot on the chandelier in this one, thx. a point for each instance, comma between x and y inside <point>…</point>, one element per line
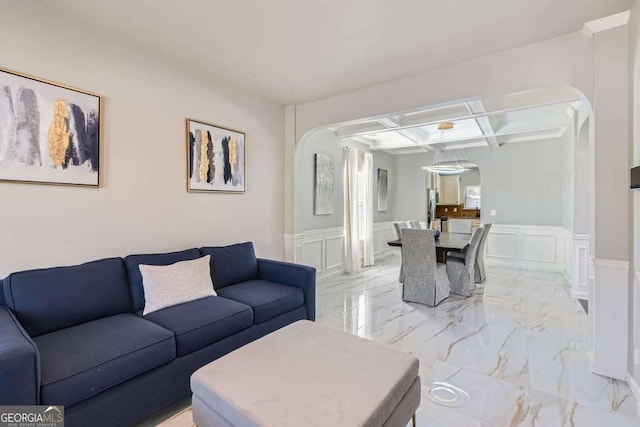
<point>456,166</point>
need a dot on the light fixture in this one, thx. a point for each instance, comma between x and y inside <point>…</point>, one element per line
<point>457,166</point>
<point>445,126</point>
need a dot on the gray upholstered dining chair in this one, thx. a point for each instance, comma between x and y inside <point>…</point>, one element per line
<point>480,272</point>
<point>461,270</point>
<point>399,226</point>
<point>425,281</point>
<point>457,225</point>
<point>415,224</point>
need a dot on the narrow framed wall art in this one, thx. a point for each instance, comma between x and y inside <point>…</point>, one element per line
<point>323,185</point>
<point>215,158</point>
<point>383,189</point>
<point>50,133</point>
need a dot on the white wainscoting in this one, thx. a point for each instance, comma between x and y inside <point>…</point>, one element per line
<point>324,249</point>
<point>383,232</point>
<point>631,381</point>
<point>609,312</point>
<point>527,246</point>
<point>578,265</point>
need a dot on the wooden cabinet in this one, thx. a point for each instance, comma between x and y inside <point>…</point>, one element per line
<point>450,190</point>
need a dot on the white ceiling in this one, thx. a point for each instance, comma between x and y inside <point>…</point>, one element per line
<point>294,51</point>
<point>491,121</point>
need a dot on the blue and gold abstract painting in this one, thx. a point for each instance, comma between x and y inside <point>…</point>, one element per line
<point>216,158</point>
<point>49,133</point>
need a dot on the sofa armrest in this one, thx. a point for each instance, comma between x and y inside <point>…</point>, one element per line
<point>297,275</point>
<point>19,363</point>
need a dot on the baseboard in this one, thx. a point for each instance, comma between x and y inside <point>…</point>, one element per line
<point>635,389</point>
<point>523,265</point>
<point>330,272</point>
<point>610,371</point>
<point>384,253</point>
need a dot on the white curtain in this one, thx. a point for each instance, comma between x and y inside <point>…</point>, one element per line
<point>368,225</point>
<point>351,238</point>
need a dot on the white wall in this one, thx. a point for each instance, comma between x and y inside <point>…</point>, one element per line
<point>143,205</point>
<point>612,144</point>
<point>610,290</point>
<point>567,169</point>
<point>581,207</point>
<point>326,142</point>
<point>634,211</point>
<point>521,181</point>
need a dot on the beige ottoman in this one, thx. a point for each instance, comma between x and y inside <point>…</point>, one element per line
<point>307,375</point>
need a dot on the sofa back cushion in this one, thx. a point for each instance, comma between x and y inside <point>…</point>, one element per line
<point>232,264</point>
<point>51,299</point>
<point>135,277</point>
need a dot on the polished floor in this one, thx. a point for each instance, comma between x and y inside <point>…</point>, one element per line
<point>512,354</point>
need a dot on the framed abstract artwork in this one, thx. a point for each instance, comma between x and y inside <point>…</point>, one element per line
<point>383,188</point>
<point>49,133</point>
<point>323,185</point>
<point>215,158</point>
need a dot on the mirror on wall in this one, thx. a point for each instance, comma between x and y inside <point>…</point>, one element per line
<point>462,189</point>
<point>472,197</point>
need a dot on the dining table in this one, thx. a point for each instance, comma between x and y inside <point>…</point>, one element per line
<point>445,243</point>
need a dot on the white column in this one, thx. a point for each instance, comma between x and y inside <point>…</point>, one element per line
<point>608,304</point>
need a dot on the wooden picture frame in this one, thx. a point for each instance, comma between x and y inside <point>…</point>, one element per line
<point>50,133</point>
<point>216,158</point>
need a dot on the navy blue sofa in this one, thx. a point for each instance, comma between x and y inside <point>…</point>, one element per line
<point>75,336</point>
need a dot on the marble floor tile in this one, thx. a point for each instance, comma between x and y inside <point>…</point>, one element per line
<point>491,401</point>
<point>545,410</point>
<point>517,347</point>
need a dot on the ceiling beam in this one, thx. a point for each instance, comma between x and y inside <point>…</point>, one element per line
<point>467,138</point>
<point>485,123</point>
<point>608,22</point>
<point>524,138</point>
<point>435,114</point>
<point>350,131</point>
<point>360,129</point>
<point>391,124</point>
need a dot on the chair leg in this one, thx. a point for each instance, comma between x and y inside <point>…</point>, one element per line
<point>413,418</point>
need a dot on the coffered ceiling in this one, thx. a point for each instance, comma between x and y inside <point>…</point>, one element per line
<point>293,51</point>
<point>491,121</point>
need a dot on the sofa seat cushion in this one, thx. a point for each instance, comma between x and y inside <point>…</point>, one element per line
<point>199,323</point>
<point>83,360</point>
<point>268,299</point>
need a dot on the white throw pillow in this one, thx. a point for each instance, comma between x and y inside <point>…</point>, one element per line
<point>167,285</point>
